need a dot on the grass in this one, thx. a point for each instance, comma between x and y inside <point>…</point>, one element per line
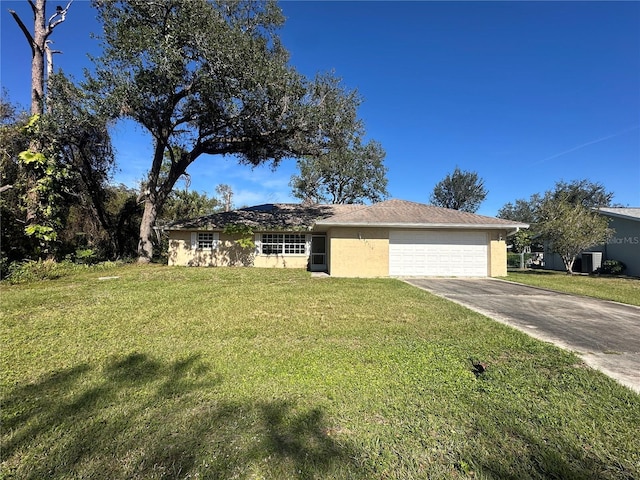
<point>617,289</point>
<point>250,373</point>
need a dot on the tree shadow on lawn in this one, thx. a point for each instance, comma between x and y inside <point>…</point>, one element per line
<point>141,418</point>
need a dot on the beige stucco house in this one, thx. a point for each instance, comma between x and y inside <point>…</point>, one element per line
<point>391,238</point>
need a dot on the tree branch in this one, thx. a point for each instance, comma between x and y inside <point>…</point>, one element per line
<point>51,24</point>
<point>24,30</point>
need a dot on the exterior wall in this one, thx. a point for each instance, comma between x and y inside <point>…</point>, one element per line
<point>351,252</point>
<point>624,245</point>
<point>281,261</point>
<point>180,252</point>
<point>497,254</point>
<point>226,254</point>
<point>364,252</point>
<point>358,252</point>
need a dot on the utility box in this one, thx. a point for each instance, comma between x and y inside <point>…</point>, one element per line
<point>591,261</point>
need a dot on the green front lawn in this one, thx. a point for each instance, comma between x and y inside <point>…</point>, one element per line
<point>250,373</point>
<point>617,289</point>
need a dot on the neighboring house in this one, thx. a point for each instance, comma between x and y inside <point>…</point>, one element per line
<point>390,238</point>
<point>623,246</point>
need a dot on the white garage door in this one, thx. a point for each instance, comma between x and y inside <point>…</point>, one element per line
<point>437,254</point>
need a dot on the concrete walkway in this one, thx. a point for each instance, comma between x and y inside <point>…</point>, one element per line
<point>606,335</point>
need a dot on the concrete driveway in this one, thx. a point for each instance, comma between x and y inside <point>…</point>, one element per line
<point>606,335</point>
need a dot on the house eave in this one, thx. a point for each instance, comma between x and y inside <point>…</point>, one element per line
<point>433,226</point>
<point>618,215</point>
<point>263,228</point>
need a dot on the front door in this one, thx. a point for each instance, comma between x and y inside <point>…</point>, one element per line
<point>318,262</point>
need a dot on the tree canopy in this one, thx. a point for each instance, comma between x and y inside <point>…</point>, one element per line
<point>565,217</point>
<point>211,78</point>
<point>460,190</point>
<point>584,192</point>
<point>570,228</point>
<point>351,174</point>
<point>183,204</point>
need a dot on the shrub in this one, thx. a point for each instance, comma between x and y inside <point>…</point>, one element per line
<point>611,267</point>
<point>34,271</point>
<point>513,259</point>
<point>86,256</point>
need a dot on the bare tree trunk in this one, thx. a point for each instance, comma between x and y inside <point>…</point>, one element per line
<point>145,243</point>
<point>42,28</point>
<point>49,53</point>
<point>568,263</point>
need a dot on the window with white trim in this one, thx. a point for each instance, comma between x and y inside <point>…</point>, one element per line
<point>205,240</point>
<point>283,244</point>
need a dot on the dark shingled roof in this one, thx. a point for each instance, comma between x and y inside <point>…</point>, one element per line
<point>390,213</point>
<point>269,216</point>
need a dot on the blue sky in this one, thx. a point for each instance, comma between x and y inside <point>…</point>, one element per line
<point>524,93</point>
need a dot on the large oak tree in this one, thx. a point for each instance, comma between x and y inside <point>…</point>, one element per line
<point>210,78</point>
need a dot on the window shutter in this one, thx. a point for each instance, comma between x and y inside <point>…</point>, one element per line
<point>258,243</point>
<point>307,246</point>
<point>194,240</point>
<point>216,241</point>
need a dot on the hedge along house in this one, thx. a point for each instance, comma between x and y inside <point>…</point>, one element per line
<point>390,238</point>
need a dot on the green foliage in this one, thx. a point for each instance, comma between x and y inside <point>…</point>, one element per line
<point>246,240</point>
<point>185,204</point>
<point>57,164</point>
<point>28,157</point>
<point>210,78</point>
<point>623,290</point>
<point>514,259</point>
<point>275,374</point>
<point>42,232</point>
<point>460,190</point>
<point>571,228</point>
<point>85,256</point>
<point>583,192</point>
<point>242,252</point>
<point>612,267</point>
<point>352,173</point>
<point>538,211</point>
<point>522,210</point>
<point>125,213</point>
<point>48,182</point>
<point>521,240</point>
<point>30,271</point>
<point>14,244</point>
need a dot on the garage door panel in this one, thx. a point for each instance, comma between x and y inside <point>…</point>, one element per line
<point>433,253</point>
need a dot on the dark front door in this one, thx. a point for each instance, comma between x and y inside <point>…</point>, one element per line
<point>318,261</point>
